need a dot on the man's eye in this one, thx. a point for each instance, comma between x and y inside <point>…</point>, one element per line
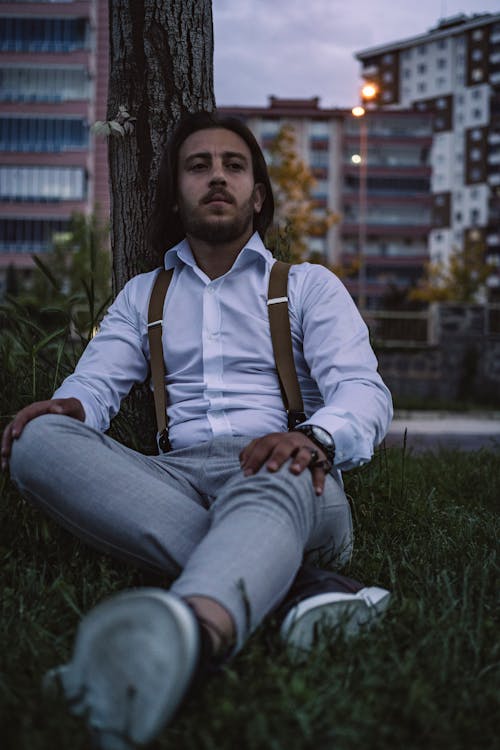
<point>197,166</point>
<point>235,166</point>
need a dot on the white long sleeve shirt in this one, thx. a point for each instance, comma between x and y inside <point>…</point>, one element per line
<point>221,377</point>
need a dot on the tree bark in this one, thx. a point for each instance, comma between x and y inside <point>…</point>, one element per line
<point>161,66</point>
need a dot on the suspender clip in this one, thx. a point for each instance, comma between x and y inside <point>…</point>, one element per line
<point>164,441</point>
<point>295,418</point>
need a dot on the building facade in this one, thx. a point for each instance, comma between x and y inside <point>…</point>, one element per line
<point>393,227</point>
<point>453,72</point>
<point>53,86</point>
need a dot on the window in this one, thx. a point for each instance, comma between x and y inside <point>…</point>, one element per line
<point>388,58</point>
<point>442,63</point>
<point>440,82</point>
<point>21,34</point>
<point>475,154</point>
<point>476,113</point>
<point>477,74</point>
<point>477,35</point>
<point>319,159</point>
<point>422,49</point>
<point>477,54</point>
<point>474,194</point>
<point>474,216</point>
<point>442,44</point>
<point>29,235</point>
<point>319,128</point>
<point>42,133</point>
<point>422,68</point>
<point>422,88</point>
<point>407,73</point>
<point>42,183</point>
<point>476,94</point>
<point>476,135</point>
<point>388,76</point>
<point>458,217</point>
<point>44,83</point>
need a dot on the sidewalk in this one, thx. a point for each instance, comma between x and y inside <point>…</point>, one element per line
<point>433,430</point>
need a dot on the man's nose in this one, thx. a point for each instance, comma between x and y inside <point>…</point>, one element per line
<point>217,177</point>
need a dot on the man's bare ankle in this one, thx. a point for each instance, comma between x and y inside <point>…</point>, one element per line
<point>216,621</point>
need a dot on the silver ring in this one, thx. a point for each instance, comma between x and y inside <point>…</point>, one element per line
<point>314,454</point>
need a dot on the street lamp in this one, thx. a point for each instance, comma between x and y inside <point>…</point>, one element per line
<point>368,93</point>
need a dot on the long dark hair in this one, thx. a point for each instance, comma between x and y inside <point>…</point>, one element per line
<point>165,228</point>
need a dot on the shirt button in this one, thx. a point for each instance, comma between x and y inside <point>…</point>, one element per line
<point>211,289</point>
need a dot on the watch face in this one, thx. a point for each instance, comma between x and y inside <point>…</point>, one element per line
<point>323,436</point>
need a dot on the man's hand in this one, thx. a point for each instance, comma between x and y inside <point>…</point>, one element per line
<point>274,449</point>
<point>71,407</point>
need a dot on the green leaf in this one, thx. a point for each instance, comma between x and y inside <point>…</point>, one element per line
<point>115,126</point>
<point>46,272</point>
<point>47,339</point>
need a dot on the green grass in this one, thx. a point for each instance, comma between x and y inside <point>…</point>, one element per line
<point>427,677</point>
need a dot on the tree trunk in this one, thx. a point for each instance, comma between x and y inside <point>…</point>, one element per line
<point>161,66</point>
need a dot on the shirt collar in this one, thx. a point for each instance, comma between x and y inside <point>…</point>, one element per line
<point>182,253</point>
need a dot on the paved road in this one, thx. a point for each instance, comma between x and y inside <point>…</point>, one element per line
<point>434,430</point>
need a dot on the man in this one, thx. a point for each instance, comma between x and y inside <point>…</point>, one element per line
<point>236,503</point>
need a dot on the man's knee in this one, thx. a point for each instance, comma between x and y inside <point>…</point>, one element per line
<point>268,492</point>
<point>32,444</point>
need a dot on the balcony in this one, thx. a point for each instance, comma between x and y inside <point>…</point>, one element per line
<point>380,229</point>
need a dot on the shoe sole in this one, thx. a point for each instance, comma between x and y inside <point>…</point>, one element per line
<point>133,660</point>
<point>305,623</point>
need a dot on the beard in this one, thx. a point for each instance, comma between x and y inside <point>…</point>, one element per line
<point>217,230</point>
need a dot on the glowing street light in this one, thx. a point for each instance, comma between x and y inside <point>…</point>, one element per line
<point>368,92</point>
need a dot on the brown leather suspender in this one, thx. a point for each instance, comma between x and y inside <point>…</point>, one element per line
<point>155,325</point>
<point>281,336</point>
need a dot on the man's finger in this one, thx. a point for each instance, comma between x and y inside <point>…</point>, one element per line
<point>258,452</point>
<point>258,455</point>
<point>303,458</point>
<point>318,478</point>
<point>245,453</point>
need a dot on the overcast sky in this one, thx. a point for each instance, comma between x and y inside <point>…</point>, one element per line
<point>304,48</point>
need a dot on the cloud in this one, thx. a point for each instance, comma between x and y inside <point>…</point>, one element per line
<point>297,48</point>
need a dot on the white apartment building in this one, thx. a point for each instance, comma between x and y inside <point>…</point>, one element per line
<point>452,71</point>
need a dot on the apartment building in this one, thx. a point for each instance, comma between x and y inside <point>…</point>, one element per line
<point>53,81</point>
<point>452,72</point>
<point>394,226</point>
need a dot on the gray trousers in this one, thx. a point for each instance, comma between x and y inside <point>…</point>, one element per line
<point>189,513</point>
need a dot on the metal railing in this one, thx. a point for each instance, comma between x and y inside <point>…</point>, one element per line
<point>402,328</point>
<point>399,328</point>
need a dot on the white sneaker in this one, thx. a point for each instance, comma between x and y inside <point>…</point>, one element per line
<point>133,661</point>
<point>305,621</point>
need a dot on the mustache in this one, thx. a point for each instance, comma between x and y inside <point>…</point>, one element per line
<point>218,194</point>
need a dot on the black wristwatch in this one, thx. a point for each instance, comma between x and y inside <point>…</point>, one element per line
<point>319,437</point>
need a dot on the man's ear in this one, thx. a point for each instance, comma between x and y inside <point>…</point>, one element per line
<point>259,196</point>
